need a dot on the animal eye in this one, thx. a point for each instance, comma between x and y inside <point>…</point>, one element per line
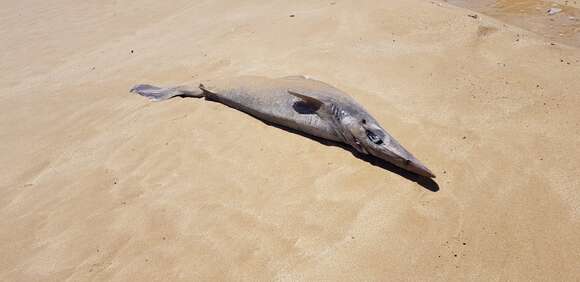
<point>364,121</point>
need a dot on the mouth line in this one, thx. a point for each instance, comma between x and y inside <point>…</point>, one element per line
<point>358,145</point>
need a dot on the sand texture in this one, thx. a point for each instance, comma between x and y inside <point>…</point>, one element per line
<point>100,184</point>
<point>555,20</point>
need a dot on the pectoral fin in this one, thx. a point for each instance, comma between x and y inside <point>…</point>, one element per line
<point>325,110</point>
<point>311,102</point>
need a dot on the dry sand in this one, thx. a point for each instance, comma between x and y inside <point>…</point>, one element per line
<point>561,25</point>
<point>99,184</point>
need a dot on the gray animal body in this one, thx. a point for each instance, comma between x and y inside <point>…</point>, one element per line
<point>303,104</point>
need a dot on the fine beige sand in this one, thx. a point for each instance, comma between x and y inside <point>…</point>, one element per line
<point>100,184</point>
<point>562,25</point>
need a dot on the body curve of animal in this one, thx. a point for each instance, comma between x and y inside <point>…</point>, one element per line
<point>301,103</point>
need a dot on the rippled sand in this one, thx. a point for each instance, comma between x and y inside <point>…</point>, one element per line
<point>100,184</point>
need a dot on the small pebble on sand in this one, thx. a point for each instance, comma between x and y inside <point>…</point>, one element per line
<point>553,11</point>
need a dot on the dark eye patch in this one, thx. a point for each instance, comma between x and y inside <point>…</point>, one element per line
<point>374,138</point>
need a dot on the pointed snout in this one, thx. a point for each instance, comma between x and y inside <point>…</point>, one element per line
<point>394,153</point>
<point>419,168</point>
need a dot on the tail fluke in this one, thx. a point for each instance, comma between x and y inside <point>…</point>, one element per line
<point>155,93</point>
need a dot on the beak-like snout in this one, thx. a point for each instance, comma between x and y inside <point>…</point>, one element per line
<point>394,153</point>
<point>419,168</point>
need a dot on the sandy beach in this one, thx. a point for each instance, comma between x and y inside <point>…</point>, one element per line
<point>100,184</point>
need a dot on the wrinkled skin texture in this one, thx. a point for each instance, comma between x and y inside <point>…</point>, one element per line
<point>303,104</point>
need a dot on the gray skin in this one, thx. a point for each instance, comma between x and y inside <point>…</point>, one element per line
<point>303,104</point>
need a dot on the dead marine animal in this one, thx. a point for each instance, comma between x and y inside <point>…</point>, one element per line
<point>303,104</point>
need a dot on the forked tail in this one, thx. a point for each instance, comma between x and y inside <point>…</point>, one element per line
<point>155,93</point>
